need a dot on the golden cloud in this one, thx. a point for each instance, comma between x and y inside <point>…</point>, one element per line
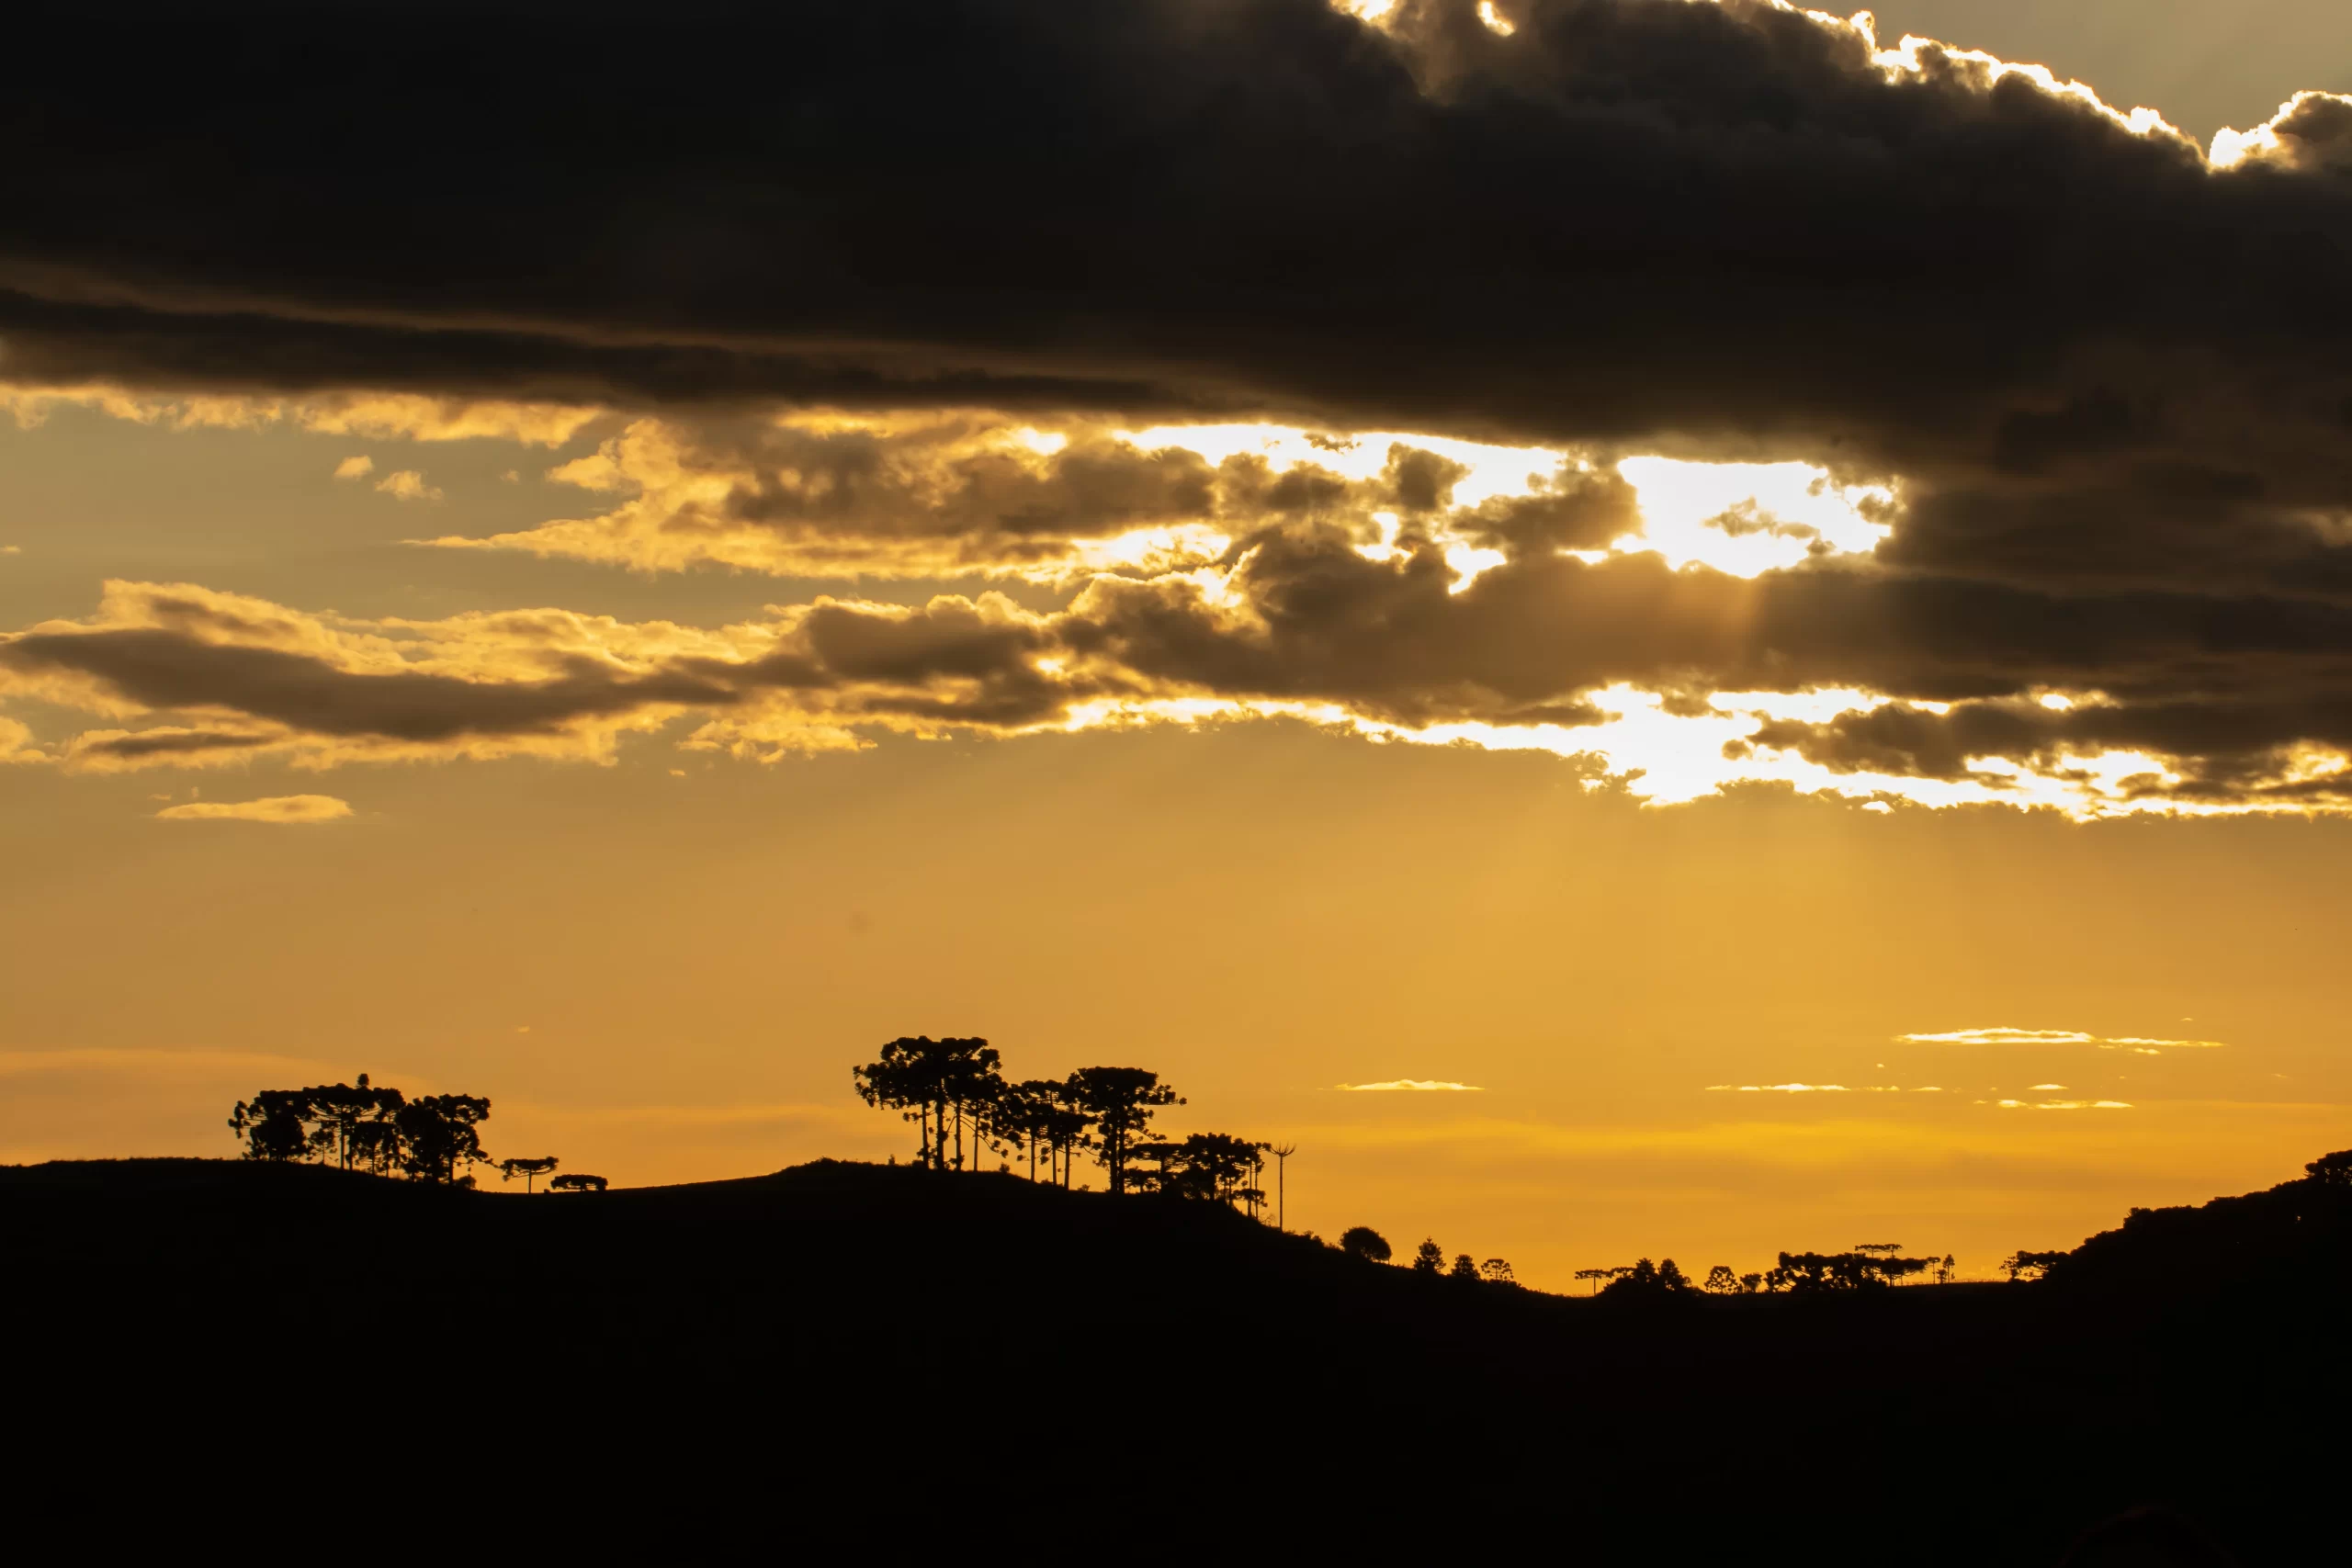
<point>287,809</point>
<point>376,415</point>
<point>407,484</point>
<point>2141,1045</point>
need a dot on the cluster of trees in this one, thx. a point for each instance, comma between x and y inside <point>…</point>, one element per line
<point>372,1127</point>
<point>966,1111</point>
<point>1869,1266</point>
<point>1429,1259</point>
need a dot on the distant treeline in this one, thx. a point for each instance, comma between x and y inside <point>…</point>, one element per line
<point>364,1126</point>
<point>1871,1266</point>
<point>966,1112</point>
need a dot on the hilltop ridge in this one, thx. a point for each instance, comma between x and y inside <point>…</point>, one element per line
<point>798,1326</point>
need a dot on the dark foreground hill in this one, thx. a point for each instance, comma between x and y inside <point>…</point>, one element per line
<point>883,1359</point>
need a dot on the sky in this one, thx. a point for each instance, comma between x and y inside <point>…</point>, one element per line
<point>1649,628</point>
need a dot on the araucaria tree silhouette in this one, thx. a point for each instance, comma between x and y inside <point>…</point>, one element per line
<point>353,1124</point>
<point>936,1083</point>
<point>1647,1279</point>
<point>2023,1265</point>
<point>378,1129</point>
<point>272,1125</point>
<point>360,1120</point>
<point>1118,1103</point>
<point>1023,1114</point>
<point>1066,1123</point>
<point>508,1169</point>
<point>1863,1269</point>
<point>1214,1167</point>
<point>437,1137</point>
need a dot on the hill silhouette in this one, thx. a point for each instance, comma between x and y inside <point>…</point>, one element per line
<point>842,1348</point>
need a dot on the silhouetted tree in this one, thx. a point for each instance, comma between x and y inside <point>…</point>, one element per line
<point>2332,1170</point>
<point>1855,1271</point>
<point>1596,1275</point>
<point>2023,1265</point>
<point>508,1169</point>
<point>1429,1257</point>
<point>981,1110</point>
<point>1945,1271</point>
<point>1721,1281</point>
<point>1118,1102</point>
<point>371,1126</point>
<point>1066,1125</point>
<point>1750,1283</point>
<point>1213,1166</point>
<point>1024,1114</point>
<point>1463,1268</point>
<point>1496,1271</point>
<point>577,1181</point>
<point>357,1122</point>
<point>272,1125</point>
<point>1646,1279</point>
<point>1362,1241</point>
<point>929,1082</point>
<point>439,1137</point>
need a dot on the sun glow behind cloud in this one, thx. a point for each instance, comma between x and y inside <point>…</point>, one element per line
<point>1671,758</point>
<point>1739,520</point>
<point>1746,518</point>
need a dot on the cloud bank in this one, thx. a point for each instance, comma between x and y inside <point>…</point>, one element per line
<point>895,293</point>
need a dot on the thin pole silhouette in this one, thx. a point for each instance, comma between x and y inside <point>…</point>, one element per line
<point>1281,1207</point>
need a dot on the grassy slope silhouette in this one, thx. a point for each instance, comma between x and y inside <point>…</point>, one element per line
<point>853,1342</point>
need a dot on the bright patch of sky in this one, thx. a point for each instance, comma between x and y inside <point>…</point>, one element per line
<point>1746,518</point>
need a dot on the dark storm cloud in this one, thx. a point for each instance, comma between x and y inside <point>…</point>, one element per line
<point>2090,359</point>
<point>1628,216</point>
<point>2110,384</point>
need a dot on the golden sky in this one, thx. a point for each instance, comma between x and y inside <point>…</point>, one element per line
<point>1694,833</point>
